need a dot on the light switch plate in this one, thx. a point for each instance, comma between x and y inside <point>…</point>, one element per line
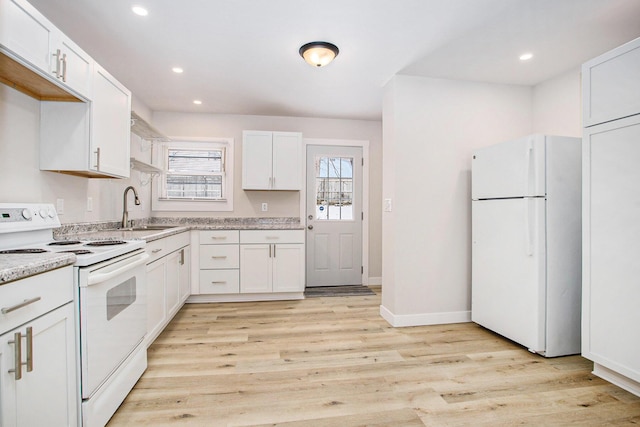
<point>387,205</point>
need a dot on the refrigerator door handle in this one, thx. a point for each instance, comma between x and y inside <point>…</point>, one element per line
<point>530,177</point>
<point>529,224</point>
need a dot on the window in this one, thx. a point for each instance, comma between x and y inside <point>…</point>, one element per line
<point>196,176</point>
<point>334,188</point>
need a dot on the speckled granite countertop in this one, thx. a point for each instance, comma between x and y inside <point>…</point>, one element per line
<point>15,267</point>
<point>110,230</point>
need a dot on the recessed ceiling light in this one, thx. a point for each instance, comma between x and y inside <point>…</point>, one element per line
<point>526,56</point>
<point>177,70</point>
<point>139,10</point>
<point>197,102</point>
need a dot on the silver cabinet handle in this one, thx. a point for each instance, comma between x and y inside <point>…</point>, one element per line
<point>218,282</point>
<point>269,251</point>
<point>29,349</point>
<point>97,165</point>
<point>219,257</point>
<point>218,237</point>
<point>17,355</point>
<point>57,56</point>
<point>274,251</point>
<point>24,303</point>
<point>182,257</point>
<point>64,68</point>
<point>155,251</point>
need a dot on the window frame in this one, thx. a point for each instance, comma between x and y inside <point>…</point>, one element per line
<point>160,158</point>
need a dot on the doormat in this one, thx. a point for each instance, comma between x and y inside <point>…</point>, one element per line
<point>337,291</point>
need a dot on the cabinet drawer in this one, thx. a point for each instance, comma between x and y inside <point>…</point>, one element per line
<point>271,236</point>
<point>219,282</point>
<point>219,256</point>
<point>177,241</point>
<point>217,237</point>
<point>156,250</point>
<point>54,288</point>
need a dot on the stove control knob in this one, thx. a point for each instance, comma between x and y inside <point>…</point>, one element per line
<point>26,214</point>
<point>51,213</point>
<point>43,213</point>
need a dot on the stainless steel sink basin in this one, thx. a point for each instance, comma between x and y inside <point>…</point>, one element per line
<point>149,228</point>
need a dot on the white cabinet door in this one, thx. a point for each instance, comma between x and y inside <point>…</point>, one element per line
<point>71,65</point>
<point>287,161</point>
<point>46,395</point>
<point>288,268</point>
<point>156,299</point>
<point>271,160</point>
<point>172,280</point>
<point>508,269</point>
<point>26,33</point>
<point>256,160</point>
<point>185,273</point>
<point>110,124</point>
<point>611,248</point>
<point>255,268</point>
<point>611,84</point>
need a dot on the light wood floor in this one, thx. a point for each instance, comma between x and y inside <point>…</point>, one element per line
<point>335,362</point>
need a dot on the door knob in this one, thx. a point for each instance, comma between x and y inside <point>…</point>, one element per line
<point>310,227</point>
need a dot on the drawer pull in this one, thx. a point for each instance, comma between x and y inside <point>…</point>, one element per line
<point>155,251</point>
<point>29,349</point>
<point>219,257</point>
<point>218,282</point>
<point>219,237</point>
<point>24,303</point>
<point>272,237</point>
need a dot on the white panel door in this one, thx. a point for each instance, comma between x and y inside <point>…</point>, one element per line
<point>334,215</point>
<point>611,295</point>
<point>508,281</point>
<point>509,169</point>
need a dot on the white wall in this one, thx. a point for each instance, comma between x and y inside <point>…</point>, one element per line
<point>557,105</point>
<point>431,127</point>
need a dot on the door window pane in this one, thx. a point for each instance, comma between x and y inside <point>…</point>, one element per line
<point>334,188</point>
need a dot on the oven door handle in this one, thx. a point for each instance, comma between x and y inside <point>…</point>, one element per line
<point>103,277</point>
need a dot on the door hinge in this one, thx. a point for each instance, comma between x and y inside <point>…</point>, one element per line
<point>363,161</point>
<point>362,269</point>
<point>362,216</point>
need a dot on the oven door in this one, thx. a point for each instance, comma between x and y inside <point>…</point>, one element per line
<point>113,315</point>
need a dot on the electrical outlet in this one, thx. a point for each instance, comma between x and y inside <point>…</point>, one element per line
<point>89,204</point>
<point>265,207</point>
<point>60,206</point>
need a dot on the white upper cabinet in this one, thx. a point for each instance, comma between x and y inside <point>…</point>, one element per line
<point>271,160</point>
<point>89,139</point>
<point>610,85</point>
<point>28,37</point>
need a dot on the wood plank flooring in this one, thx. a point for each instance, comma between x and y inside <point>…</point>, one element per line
<point>328,362</point>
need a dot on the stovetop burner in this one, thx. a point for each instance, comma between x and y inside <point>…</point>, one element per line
<point>23,251</point>
<point>106,243</point>
<point>64,243</point>
<point>78,251</point>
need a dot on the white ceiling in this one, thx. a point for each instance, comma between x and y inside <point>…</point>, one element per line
<point>241,56</point>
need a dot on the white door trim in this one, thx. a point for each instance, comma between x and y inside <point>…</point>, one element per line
<point>365,191</point>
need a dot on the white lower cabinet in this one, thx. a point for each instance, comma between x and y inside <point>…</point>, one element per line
<point>38,358</point>
<point>250,264</point>
<point>168,276</point>
<point>271,261</point>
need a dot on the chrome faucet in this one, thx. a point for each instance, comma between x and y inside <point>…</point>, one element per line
<point>125,214</point>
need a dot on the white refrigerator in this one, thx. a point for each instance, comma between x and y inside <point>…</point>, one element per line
<point>526,242</point>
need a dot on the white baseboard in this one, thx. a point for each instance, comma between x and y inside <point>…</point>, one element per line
<point>279,296</point>
<point>617,379</point>
<point>375,281</point>
<point>424,319</point>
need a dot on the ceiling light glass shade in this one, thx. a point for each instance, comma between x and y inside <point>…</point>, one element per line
<point>319,54</point>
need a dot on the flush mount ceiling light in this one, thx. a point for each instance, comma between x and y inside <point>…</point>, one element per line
<point>319,54</point>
